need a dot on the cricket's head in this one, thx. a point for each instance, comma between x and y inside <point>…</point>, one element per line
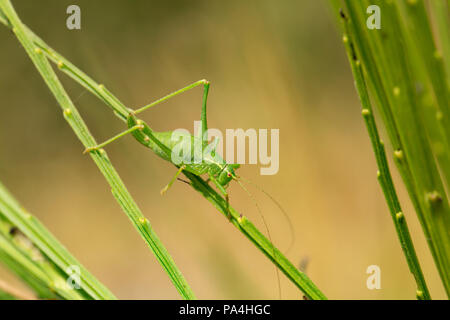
<point>228,174</point>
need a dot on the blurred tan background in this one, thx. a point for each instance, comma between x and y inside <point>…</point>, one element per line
<point>272,64</point>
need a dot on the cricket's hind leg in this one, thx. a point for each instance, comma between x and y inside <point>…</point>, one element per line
<point>203,82</point>
<point>138,126</point>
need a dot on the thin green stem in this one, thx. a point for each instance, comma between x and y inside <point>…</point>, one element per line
<point>100,157</point>
<point>33,268</point>
<point>405,75</point>
<point>259,240</point>
<point>441,9</point>
<point>18,218</point>
<point>384,175</point>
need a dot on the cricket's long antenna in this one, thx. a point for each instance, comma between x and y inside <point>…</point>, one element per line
<point>268,232</point>
<point>286,216</point>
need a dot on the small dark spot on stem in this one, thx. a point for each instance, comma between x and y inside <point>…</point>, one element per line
<point>13,231</point>
<point>435,197</point>
<point>342,14</point>
<point>352,47</point>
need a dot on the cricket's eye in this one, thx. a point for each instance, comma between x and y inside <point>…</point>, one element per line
<point>228,174</point>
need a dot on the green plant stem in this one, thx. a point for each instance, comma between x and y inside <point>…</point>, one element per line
<point>259,240</point>
<point>441,9</point>
<point>11,210</point>
<point>100,157</point>
<point>246,227</point>
<point>384,175</point>
<point>417,29</point>
<point>396,75</point>
<point>38,272</point>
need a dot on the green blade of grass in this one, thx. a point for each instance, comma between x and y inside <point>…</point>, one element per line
<point>431,62</point>
<point>34,269</point>
<point>396,71</point>
<point>48,245</point>
<point>384,175</point>
<point>39,286</point>
<point>100,158</point>
<point>258,239</point>
<point>441,10</point>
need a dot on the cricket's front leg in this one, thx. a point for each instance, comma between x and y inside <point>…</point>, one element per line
<point>225,193</point>
<point>164,190</point>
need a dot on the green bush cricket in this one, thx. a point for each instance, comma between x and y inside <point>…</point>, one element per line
<point>162,143</point>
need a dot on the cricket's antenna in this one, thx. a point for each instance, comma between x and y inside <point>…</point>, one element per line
<point>286,216</point>
<point>268,232</point>
<point>79,96</point>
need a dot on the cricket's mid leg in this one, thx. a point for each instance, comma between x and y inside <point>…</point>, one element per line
<point>101,145</point>
<point>173,94</point>
<point>164,190</point>
<point>225,193</point>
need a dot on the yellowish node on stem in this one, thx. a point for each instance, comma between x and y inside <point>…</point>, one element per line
<point>345,38</point>
<point>142,220</point>
<point>378,173</point>
<point>434,197</point>
<point>60,64</point>
<point>419,294</point>
<point>399,216</point>
<point>398,154</point>
<point>365,112</point>
<point>101,86</point>
<point>38,50</point>
<point>67,112</point>
<point>396,91</point>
